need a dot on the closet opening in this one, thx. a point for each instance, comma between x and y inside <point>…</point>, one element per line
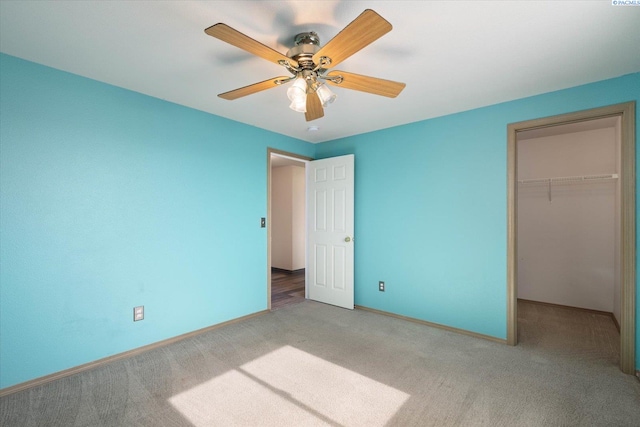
<point>571,233</point>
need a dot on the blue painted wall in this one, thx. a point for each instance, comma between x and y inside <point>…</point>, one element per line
<point>431,206</point>
<point>111,199</point>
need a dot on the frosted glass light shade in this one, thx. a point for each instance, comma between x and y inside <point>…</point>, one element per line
<point>299,105</point>
<point>325,95</point>
<point>297,93</point>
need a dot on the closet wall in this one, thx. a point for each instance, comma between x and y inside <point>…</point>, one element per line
<point>568,234</point>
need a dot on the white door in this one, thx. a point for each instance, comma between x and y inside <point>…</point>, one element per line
<point>330,231</point>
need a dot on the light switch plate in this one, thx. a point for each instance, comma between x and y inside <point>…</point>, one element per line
<point>138,313</point>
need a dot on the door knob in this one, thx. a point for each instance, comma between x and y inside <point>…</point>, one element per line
<point>347,239</point>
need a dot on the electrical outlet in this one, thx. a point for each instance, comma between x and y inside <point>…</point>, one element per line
<point>138,313</point>
<point>381,286</point>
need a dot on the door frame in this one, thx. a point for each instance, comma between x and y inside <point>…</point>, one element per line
<point>627,174</point>
<point>302,159</point>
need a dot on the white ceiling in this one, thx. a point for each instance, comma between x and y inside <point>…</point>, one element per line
<point>453,55</point>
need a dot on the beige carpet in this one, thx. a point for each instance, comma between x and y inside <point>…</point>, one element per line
<point>313,364</point>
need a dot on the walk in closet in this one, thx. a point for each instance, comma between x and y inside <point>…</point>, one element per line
<point>568,215</point>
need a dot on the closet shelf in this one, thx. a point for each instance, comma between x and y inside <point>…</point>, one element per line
<point>568,179</point>
<point>562,179</point>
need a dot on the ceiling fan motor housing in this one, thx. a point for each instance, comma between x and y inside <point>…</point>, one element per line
<point>306,45</point>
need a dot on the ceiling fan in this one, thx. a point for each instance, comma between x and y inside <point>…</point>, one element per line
<point>309,64</point>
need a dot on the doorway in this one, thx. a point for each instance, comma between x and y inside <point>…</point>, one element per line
<point>286,228</point>
<point>327,241</point>
<point>625,246</point>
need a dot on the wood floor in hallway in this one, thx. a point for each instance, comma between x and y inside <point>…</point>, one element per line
<point>287,287</point>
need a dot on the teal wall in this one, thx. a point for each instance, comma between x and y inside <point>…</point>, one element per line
<point>431,208</point>
<point>111,199</point>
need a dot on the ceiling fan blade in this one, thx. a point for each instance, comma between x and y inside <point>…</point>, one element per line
<point>248,90</point>
<point>368,84</point>
<point>314,106</point>
<point>234,37</point>
<point>362,31</point>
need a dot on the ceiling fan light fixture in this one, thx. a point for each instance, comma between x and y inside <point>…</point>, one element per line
<point>297,94</point>
<point>326,95</point>
<point>299,105</point>
<point>308,64</point>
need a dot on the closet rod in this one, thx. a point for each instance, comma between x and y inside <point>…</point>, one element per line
<point>569,179</point>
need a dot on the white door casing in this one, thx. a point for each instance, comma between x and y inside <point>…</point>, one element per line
<point>330,240</point>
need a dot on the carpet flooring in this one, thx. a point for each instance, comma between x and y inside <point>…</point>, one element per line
<point>311,364</point>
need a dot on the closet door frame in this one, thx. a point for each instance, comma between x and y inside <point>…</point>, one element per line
<point>627,175</point>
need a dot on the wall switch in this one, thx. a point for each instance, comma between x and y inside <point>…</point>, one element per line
<point>263,222</point>
<point>381,286</point>
<point>138,313</point>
